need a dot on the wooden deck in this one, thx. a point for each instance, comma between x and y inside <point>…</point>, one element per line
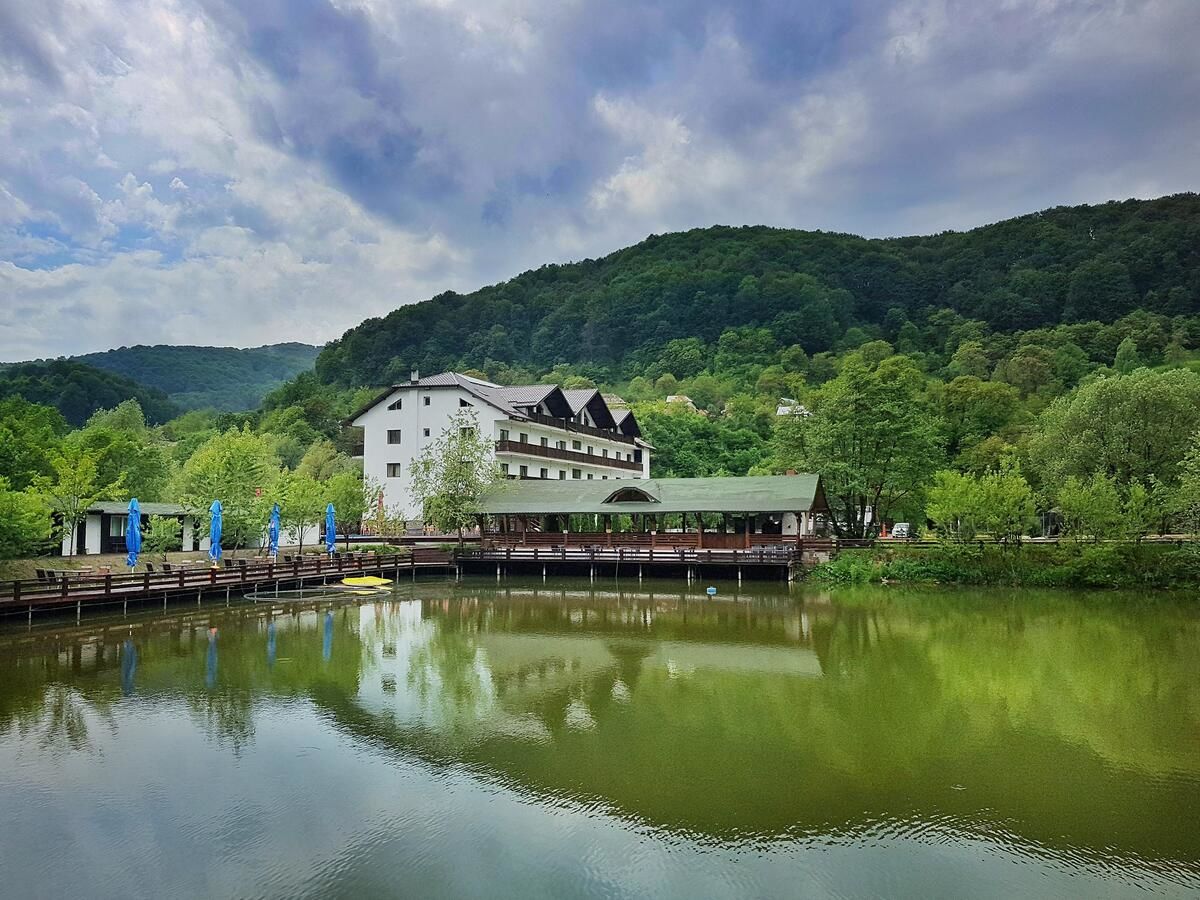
<point>28,597</point>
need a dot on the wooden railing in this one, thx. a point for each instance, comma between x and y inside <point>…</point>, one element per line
<point>568,425</point>
<point>712,540</point>
<point>571,456</point>
<point>666,555</point>
<point>98,587</point>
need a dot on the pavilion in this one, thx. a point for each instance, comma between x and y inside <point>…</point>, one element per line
<point>701,513</point>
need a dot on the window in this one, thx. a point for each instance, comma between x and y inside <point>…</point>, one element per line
<point>396,404</point>
<point>462,403</point>
<point>543,473</point>
<point>591,450</point>
<point>504,434</point>
<point>604,478</point>
<point>604,452</point>
<point>116,526</point>
<point>562,473</point>
<point>561,445</point>
<point>393,470</point>
<point>589,476</point>
<point>524,438</point>
<point>425,432</point>
<point>628,457</point>
<point>524,471</point>
<point>504,468</point>
<point>426,399</point>
<point>576,445</point>
<point>575,473</point>
<point>393,435</point>
<point>545,442</point>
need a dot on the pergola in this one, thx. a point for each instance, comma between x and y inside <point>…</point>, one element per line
<point>713,513</point>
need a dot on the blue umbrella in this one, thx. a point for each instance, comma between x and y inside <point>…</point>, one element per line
<point>133,533</point>
<point>214,533</point>
<point>330,529</point>
<point>273,532</point>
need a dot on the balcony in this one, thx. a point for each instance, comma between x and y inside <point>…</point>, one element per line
<point>568,456</point>
<point>568,425</point>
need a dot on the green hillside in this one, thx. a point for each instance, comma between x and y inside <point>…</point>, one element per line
<point>77,390</point>
<point>223,378</point>
<point>610,318</point>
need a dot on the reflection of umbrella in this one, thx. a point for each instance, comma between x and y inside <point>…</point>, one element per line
<point>133,533</point>
<point>128,667</point>
<point>214,533</point>
<point>270,644</point>
<point>273,532</point>
<point>330,529</point>
<point>210,664</point>
<point>327,644</point>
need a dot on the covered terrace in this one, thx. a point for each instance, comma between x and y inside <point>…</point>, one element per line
<point>699,513</point>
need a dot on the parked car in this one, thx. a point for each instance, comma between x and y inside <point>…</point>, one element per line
<point>902,531</point>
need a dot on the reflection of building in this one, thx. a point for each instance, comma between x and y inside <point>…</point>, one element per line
<point>540,432</point>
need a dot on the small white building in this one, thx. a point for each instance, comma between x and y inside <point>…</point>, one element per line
<point>103,529</point>
<point>539,430</point>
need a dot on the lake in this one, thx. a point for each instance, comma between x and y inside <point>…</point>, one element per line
<point>570,740</point>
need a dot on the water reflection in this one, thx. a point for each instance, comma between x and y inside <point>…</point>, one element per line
<point>1057,728</point>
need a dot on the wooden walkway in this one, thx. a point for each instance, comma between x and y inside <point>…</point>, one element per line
<point>635,561</point>
<point>28,597</point>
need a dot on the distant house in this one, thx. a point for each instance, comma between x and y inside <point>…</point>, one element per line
<point>540,432</point>
<point>789,407</point>
<point>683,400</point>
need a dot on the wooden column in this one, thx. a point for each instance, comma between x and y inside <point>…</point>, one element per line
<point>799,529</point>
<point>746,531</point>
<point>699,531</point>
<point>524,527</point>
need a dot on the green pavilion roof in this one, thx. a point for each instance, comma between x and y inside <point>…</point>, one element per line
<point>753,494</point>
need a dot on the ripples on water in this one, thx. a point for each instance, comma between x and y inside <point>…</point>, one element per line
<point>463,741</point>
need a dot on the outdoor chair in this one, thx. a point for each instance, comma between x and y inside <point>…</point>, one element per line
<point>41,574</point>
<point>166,567</point>
<point>150,568</point>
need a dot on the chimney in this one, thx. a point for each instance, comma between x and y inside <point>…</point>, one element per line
<point>415,376</point>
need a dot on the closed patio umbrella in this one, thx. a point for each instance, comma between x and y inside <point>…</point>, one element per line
<point>214,533</point>
<point>133,533</point>
<point>273,532</point>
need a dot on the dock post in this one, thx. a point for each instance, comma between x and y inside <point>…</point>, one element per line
<point>497,571</point>
<point>31,615</point>
<point>543,573</point>
<point>198,592</point>
<point>78,610</point>
<point>592,572</point>
<point>124,608</point>
<point>639,573</point>
<point>739,575</point>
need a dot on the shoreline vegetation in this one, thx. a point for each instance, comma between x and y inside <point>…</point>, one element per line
<point>1069,564</point>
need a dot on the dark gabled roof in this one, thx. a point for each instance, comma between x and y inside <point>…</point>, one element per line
<point>593,401</point>
<point>626,423</point>
<point>531,395</point>
<point>753,494</point>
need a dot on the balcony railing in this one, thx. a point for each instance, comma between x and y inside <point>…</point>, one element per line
<point>570,456</point>
<point>568,425</point>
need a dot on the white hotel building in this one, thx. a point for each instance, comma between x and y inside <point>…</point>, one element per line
<point>540,430</point>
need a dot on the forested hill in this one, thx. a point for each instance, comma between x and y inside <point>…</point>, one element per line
<point>610,318</point>
<point>222,378</point>
<point>77,390</point>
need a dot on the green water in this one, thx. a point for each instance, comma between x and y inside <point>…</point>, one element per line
<point>558,741</point>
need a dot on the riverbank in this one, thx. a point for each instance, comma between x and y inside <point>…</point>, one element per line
<point>1035,565</point>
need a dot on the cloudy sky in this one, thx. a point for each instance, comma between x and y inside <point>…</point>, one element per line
<point>250,171</point>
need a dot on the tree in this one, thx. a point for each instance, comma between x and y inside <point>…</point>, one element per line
<point>322,461</point>
<point>999,502</point>
<point>1009,509</point>
<point>1090,507</point>
<point>1128,427</point>
<point>350,495</point>
<point>164,534</point>
<point>24,522</point>
<point>239,468</point>
<point>1127,358</point>
<point>301,504</point>
<point>450,475</point>
<point>29,435</point>
<point>870,436</point>
<point>1144,509</point>
<point>954,504</point>
<point>74,487</point>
